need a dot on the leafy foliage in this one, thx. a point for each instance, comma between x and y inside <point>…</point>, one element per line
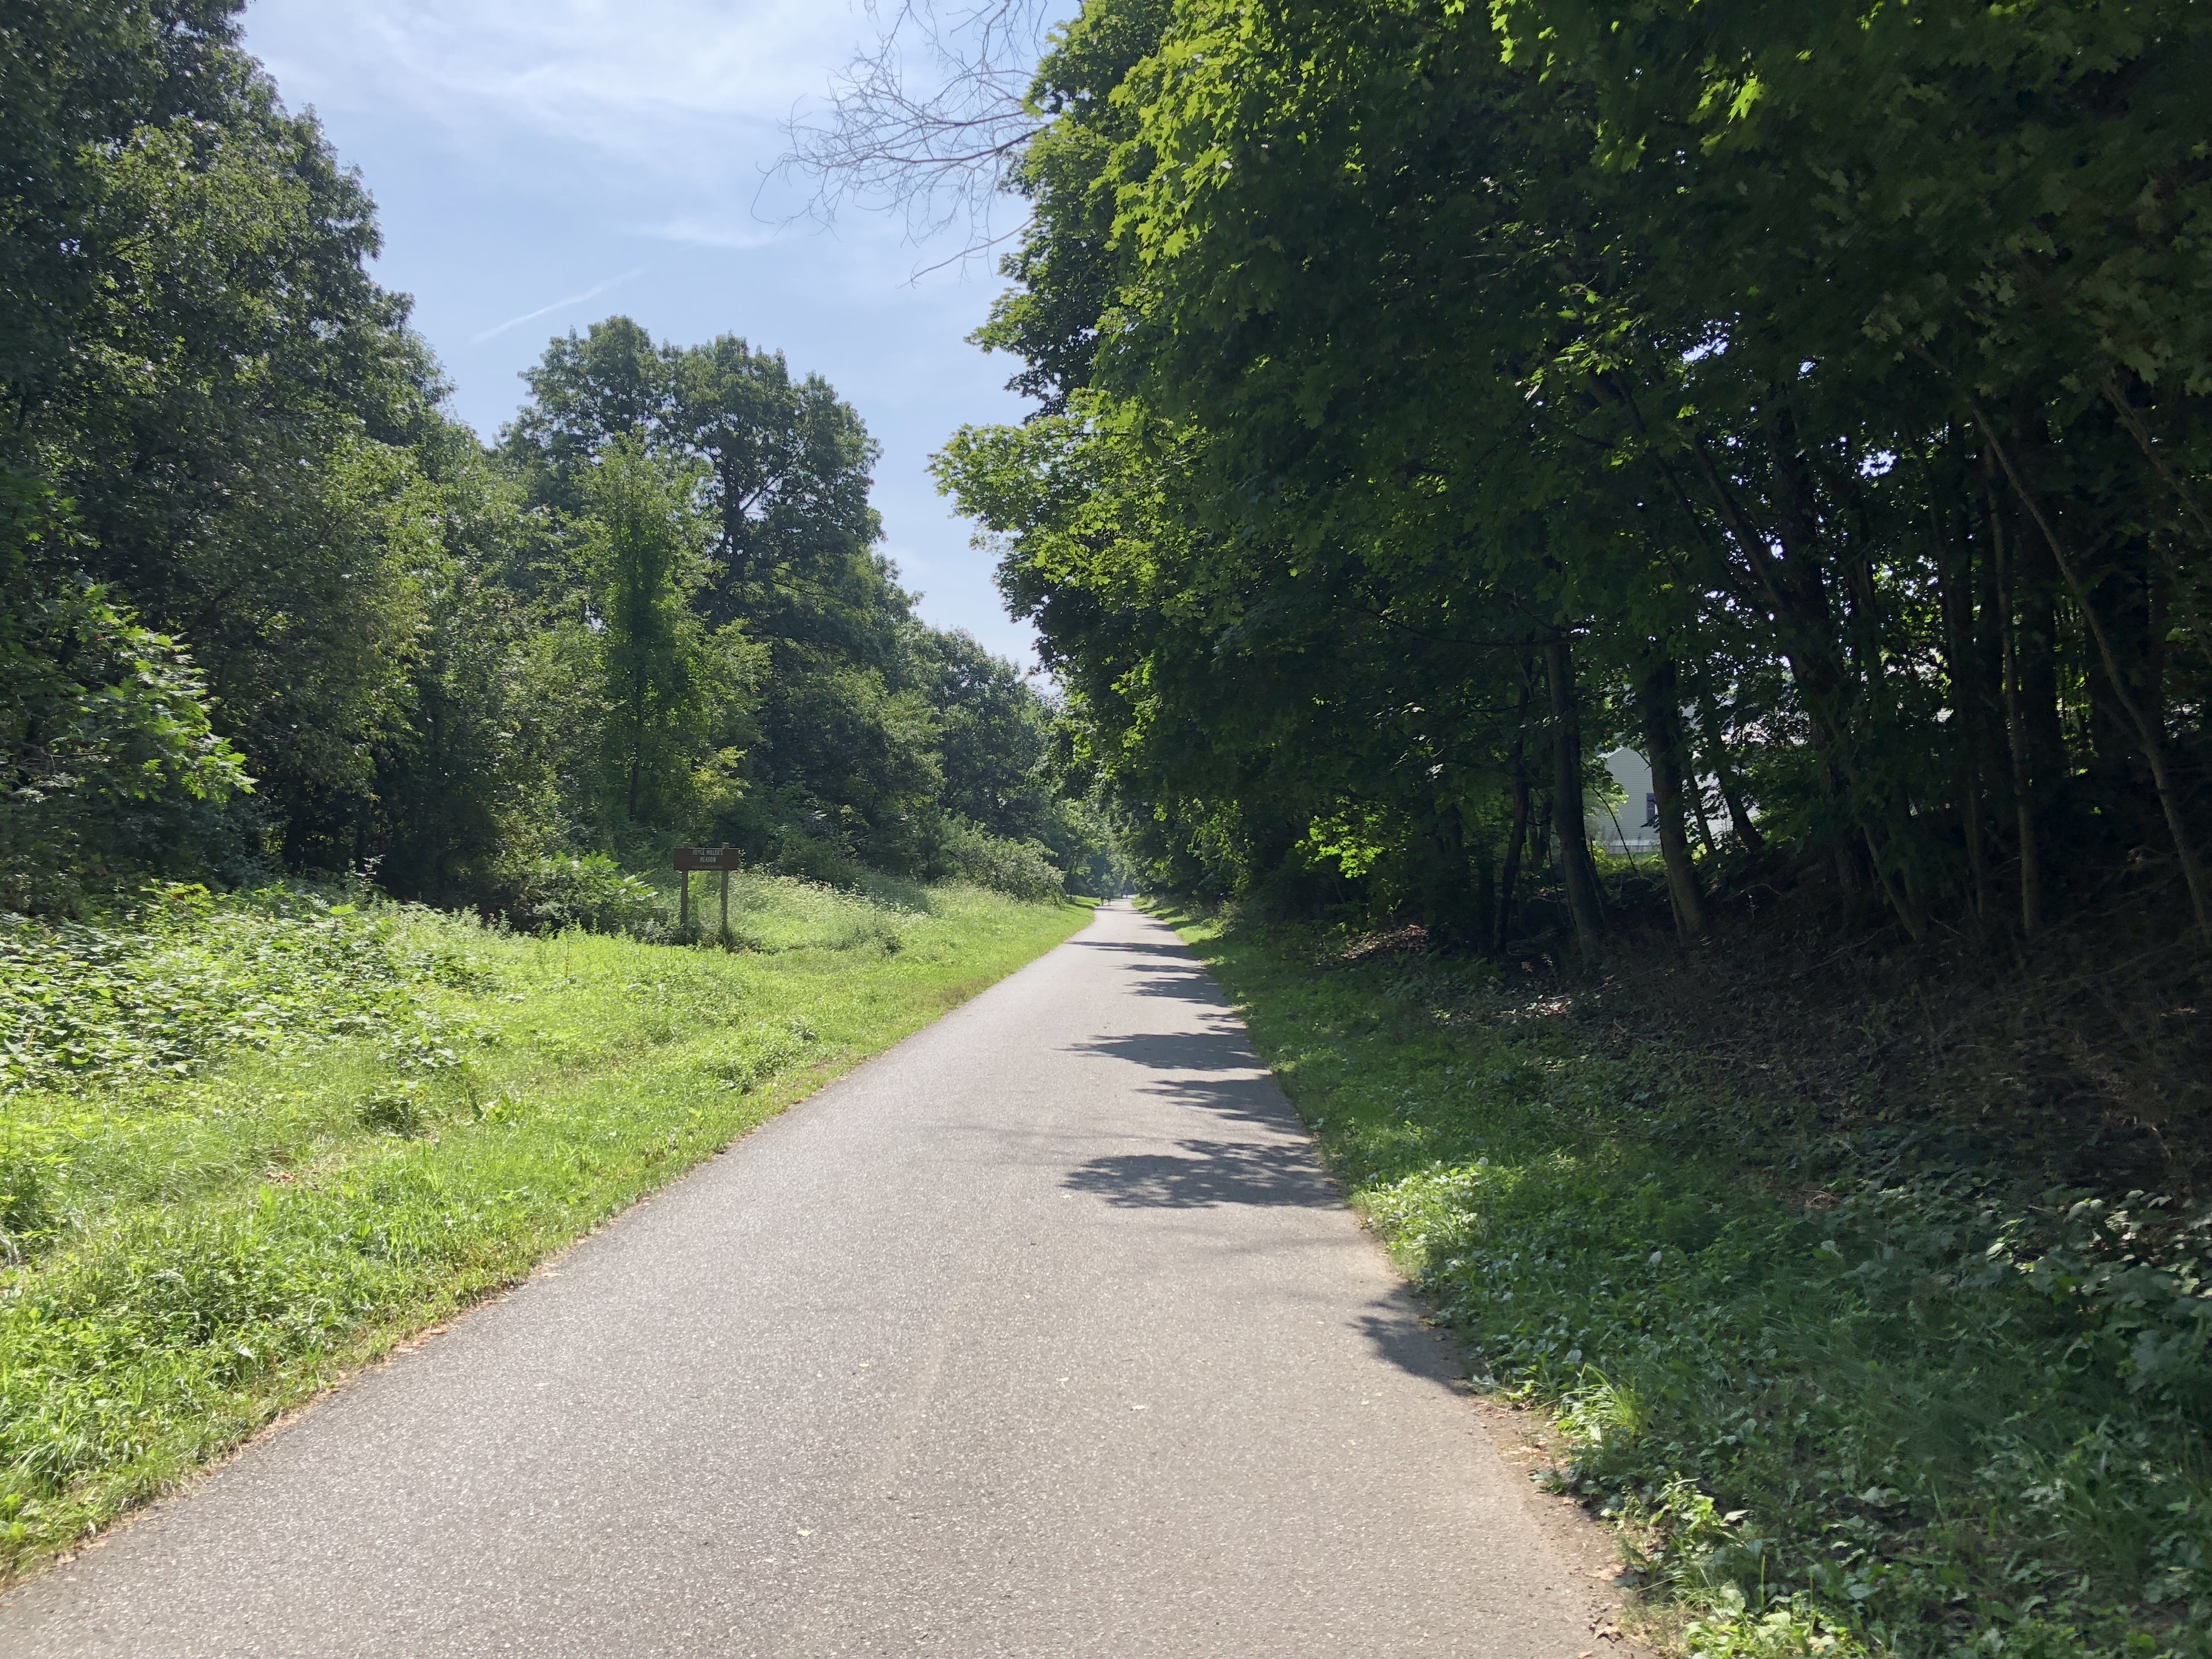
<point>239,537</point>
<point>195,979</point>
<point>1022,870</point>
<point>99,716</point>
<point>1813,398</point>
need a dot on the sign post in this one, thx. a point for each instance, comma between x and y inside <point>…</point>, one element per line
<point>722,859</point>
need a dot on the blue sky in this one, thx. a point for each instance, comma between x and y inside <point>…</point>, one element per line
<point>540,164</point>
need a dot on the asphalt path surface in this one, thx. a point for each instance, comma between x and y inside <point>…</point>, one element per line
<point>1043,1334</point>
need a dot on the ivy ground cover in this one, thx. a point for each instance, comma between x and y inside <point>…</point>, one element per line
<point>1837,1401</point>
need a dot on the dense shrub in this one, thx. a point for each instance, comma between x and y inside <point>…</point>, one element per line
<point>1019,869</point>
<point>591,892</point>
<point>189,977</point>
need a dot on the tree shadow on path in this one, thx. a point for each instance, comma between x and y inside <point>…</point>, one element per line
<point>1216,1074</point>
<point>1201,1174</point>
<point>1173,973</point>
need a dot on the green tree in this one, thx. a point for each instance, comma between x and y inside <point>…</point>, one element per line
<point>677,692</point>
<point>193,355</point>
<point>1804,391</point>
<point>99,715</point>
<point>777,473</point>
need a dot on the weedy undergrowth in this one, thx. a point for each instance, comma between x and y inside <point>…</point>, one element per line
<point>1909,1409</point>
<point>246,1143</point>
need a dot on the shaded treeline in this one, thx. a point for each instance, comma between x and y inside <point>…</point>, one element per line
<point>267,604</point>
<point>1814,398</point>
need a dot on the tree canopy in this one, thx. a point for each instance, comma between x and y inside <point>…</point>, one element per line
<point>1812,397</point>
<point>267,604</point>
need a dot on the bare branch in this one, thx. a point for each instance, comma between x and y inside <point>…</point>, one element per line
<point>930,120</point>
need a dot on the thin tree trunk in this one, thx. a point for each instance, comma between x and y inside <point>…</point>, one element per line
<point>1955,582</point>
<point>2016,736</point>
<point>1797,595</point>
<point>1446,910</point>
<point>636,748</point>
<point>1696,796</point>
<point>2135,425</point>
<point>1901,898</point>
<point>2123,598</point>
<point>1577,869</point>
<point>2140,432</point>
<point>2150,735</point>
<point>1483,923</point>
<point>1508,879</point>
<point>1725,778</point>
<point>1663,739</point>
<point>1975,831</point>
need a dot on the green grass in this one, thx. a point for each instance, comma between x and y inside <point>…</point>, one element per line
<point>247,1144</point>
<point>1910,1411</point>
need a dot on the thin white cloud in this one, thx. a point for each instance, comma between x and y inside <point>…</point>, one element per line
<point>674,107</point>
<point>707,232</point>
<point>669,84</point>
<point>558,304</point>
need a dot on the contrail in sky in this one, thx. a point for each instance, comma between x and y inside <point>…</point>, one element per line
<point>573,299</point>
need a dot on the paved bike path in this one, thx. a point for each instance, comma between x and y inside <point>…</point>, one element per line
<point>1041,1334</point>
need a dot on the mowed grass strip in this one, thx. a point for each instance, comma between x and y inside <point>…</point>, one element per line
<point>1838,1404</point>
<point>251,1144</point>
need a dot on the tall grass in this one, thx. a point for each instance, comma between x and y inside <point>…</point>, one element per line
<point>247,1144</point>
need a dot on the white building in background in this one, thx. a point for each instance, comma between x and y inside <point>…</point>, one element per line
<point>1629,826</point>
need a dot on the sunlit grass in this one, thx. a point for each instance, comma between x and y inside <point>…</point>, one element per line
<point>251,1144</point>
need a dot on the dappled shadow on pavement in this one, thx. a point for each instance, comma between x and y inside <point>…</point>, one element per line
<point>1188,987</point>
<point>1214,1073</point>
<point>1401,1336</point>
<point>1177,1051</point>
<point>1201,1174</point>
<point>1246,1146</point>
<point>1172,972</point>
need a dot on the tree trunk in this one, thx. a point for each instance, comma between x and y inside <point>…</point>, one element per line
<point>1445,911</point>
<point>1659,700</point>
<point>2018,743</point>
<point>1508,880</point>
<point>1577,868</point>
<point>1695,794</point>
<point>2126,599</point>
<point>1969,699</point>
<point>1725,778</point>
<point>2035,615</point>
<point>2148,722</point>
<point>1484,918</point>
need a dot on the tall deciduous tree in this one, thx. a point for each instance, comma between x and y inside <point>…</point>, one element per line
<point>1847,353</point>
<point>674,690</point>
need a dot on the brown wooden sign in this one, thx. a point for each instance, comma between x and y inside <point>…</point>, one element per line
<point>707,858</point>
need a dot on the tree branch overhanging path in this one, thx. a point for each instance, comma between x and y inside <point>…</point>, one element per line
<point>927,122</point>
